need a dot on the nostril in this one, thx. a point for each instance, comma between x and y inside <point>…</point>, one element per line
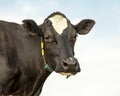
<point>76,64</point>
<point>65,64</point>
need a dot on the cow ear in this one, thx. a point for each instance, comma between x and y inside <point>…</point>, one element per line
<point>84,26</point>
<point>31,27</point>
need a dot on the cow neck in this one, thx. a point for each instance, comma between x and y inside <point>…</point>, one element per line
<point>39,83</point>
<point>46,67</point>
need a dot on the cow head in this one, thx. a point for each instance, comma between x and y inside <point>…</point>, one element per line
<point>59,37</point>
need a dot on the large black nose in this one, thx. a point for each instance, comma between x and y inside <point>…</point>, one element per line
<point>71,65</point>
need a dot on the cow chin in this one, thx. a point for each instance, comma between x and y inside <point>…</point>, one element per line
<point>67,74</point>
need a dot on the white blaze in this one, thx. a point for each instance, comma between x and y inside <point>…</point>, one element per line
<point>59,23</point>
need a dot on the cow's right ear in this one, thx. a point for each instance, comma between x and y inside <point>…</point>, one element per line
<point>31,27</point>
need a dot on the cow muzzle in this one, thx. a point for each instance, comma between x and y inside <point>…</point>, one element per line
<point>70,66</point>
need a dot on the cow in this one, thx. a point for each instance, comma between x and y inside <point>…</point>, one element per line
<point>29,53</point>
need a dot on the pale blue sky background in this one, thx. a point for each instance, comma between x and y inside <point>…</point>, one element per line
<point>98,52</point>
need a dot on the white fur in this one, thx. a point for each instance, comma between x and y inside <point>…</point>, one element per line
<point>59,23</point>
<point>66,74</point>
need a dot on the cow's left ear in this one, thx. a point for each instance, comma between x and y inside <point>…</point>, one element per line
<point>84,26</point>
<point>31,27</point>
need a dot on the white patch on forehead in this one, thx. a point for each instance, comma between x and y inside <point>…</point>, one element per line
<point>59,23</point>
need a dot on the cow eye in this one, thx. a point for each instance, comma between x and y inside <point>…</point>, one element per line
<point>48,39</point>
<point>73,38</point>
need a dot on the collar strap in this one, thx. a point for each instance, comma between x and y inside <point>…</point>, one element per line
<point>46,67</point>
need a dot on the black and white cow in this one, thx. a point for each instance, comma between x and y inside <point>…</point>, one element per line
<point>29,53</point>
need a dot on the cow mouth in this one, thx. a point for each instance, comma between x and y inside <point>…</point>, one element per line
<point>67,74</point>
